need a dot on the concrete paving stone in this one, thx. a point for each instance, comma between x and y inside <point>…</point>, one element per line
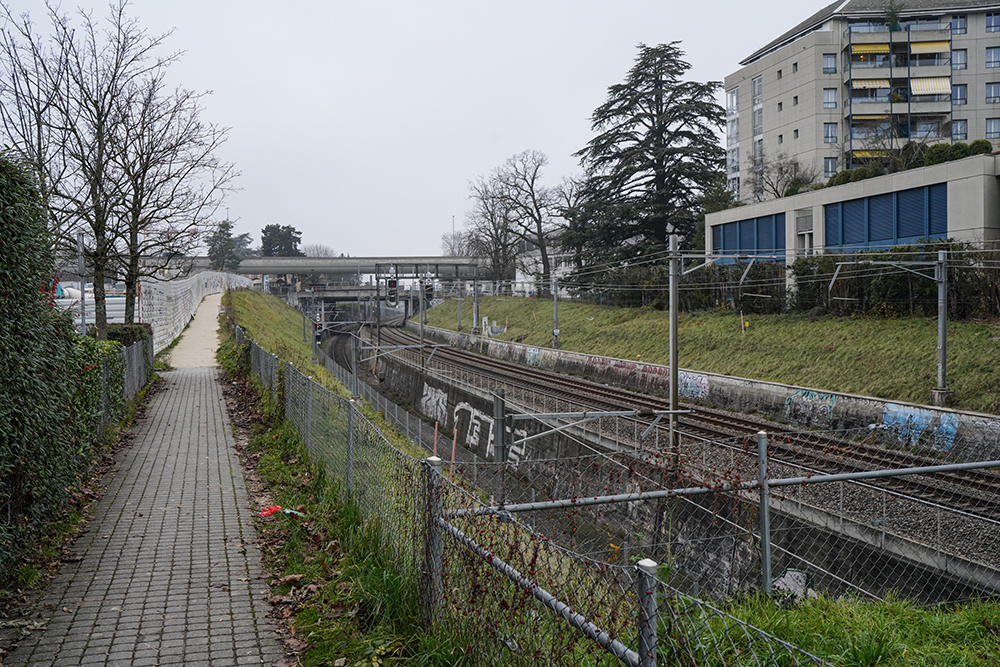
<point>146,662</point>
<point>120,654</point>
<point>144,581</point>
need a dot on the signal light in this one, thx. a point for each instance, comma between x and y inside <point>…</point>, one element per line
<point>390,291</point>
<point>428,293</point>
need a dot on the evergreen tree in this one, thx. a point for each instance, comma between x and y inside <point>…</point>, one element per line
<point>656,151</point>
<point>280,241</point>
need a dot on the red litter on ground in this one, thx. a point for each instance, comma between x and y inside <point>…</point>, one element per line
<point>268,511</point>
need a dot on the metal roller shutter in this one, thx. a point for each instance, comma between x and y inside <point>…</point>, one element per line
<point>831,224</point>
<point>911,213</point>
<point>938,208</point>
<point>854,221</point>
<point>880,218</point>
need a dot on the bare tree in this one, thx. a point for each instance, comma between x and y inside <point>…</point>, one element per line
<point>780,176</point>
<point>318,250</point>
<point>531,208</point>
<point>490,233</point>
<point>455,244</point>
<point>172,184</point>
<point>77,76</point>
<point>29,92</point>
<point>569,197</point>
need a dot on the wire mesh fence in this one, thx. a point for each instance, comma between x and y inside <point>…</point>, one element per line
<point>932,536</point>
<point>556,584</point>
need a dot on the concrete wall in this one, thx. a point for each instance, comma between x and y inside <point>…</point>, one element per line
<point>966,436</point>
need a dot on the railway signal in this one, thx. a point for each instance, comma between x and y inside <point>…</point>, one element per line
<point>428,293</point>
<point>391,293</point>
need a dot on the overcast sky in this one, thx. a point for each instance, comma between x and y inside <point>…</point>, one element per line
<point>361,123</point>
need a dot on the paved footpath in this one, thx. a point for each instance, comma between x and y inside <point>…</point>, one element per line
<point>168,576</point>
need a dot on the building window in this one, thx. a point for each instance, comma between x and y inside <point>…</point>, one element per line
<point>795,101</point>
<point>758,122</point>
<point>779,106</point>
<point>993,22</point>
<point>829,63</point>
<point>779,73</point>
<point>829,98</point>
<point>733,131</point>
<point>795,67</point>
<point>795,134</point>
<point>959,59</point>
<point>733,101</point>
<point>958,24</point>
<point>781,138</point>
<point>993,93</point>
<point>829,167</point>
<point>993,128</point>
<point>959,94</point>
<point>993,56</point>
<point>757,90</point>
<point>959,130</point>
<point>733,160</point>
<point>829,133</point>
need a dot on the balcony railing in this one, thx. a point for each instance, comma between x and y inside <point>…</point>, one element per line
<point>871,99</point>
<point>903,27</point>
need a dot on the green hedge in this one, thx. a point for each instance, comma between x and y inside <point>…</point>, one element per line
<point>50,399</point>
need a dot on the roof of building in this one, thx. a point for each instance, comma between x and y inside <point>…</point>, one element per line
<point>862,7</point>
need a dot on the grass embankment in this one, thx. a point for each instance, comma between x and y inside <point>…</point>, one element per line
<point>343,599</point>
<point>350,605</point>
<point>895,359</point>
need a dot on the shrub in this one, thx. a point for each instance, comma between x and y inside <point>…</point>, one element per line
<point>127,334</point>
<point>37,462</point>
<point>841,177</point>
<point>980,147</point>
<point>859,174</point>
<point>937,154</point>
<point>958,151</point>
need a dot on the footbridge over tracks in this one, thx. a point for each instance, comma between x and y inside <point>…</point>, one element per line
<point>440,268</point>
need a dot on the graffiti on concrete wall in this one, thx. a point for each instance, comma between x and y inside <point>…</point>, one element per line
<point>944,434</point>
<point>475,427</point>
<point>434,403</point>
<point>692,385</point>
<point>810,408</point>
<point>906,421</point>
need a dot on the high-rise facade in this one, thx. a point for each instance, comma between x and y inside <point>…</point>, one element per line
<point>851,84</point>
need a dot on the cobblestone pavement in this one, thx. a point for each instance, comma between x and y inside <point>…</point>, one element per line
<point>168,574</point>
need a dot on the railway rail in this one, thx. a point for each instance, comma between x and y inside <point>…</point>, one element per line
<point>974,493</point>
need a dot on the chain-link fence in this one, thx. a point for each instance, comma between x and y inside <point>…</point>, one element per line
<point>929,536</point>
<point>518,585</point>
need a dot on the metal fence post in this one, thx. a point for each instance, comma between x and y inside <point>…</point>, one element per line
<point>765,515</point>
<point>432,540</point>
<point>309,413</point>
<point>646,592</point>
<point>499,441</point>
<point>350,445</point>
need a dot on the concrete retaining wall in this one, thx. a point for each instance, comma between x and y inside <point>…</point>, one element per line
<point>967,436</point>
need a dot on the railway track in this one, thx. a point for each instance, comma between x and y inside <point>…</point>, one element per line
<point>973,492</point>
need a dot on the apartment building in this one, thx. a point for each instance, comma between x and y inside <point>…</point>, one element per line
<point>846,86</point>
